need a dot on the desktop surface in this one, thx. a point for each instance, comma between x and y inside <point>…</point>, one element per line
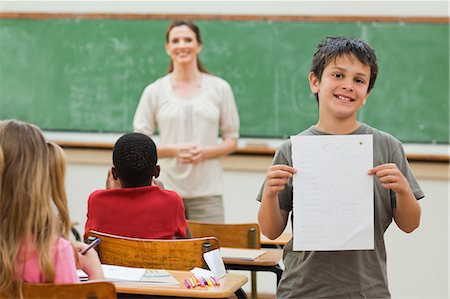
<point>229,284</point>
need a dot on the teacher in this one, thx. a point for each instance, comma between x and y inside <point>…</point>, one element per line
<point>189,107</point>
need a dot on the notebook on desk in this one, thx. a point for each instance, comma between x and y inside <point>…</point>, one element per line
<point>241,253</point>
<point>140,275</point>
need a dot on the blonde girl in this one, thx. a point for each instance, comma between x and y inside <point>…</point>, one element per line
<point>34,218</point>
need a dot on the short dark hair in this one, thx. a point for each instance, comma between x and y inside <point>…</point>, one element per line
<point>135,158</point>
<point>332,47</point>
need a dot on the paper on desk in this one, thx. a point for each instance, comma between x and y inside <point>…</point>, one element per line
<point>214,261</point>
<point>139,275</point>
<point>115,273</point>
<point>82,275</point>
<point>241,253</point>
<point>200,272</point>
<point>333,194</point>
<point>159,277</point>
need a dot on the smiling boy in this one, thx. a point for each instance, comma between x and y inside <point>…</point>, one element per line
<point>343,73</point>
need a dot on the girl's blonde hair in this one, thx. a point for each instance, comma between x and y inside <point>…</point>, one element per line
<point>33,202</point>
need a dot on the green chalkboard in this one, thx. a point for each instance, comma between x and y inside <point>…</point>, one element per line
<point>88,74</point>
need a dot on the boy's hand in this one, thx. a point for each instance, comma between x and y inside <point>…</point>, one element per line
<point>111,182</point>
<point>158,183</point>
<point>277,177</point>
<point>391,177</point>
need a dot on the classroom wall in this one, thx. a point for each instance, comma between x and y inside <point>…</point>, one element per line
<point>418,263</point>
<point>317,7</point>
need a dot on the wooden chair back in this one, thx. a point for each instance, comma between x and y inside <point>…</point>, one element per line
<point>177,254</point>
<point>245,235</point>
<point>82,290</point>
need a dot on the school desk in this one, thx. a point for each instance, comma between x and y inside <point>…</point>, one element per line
<point>230,285</point>
<point>276,243</point>
<point>266,262</point>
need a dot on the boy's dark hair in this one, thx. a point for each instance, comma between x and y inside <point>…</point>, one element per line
<point>135,158</point>
<point>332,47</point>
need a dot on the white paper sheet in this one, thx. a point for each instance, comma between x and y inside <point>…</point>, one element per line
<point>200,272</point>
<point>159,277</point>
<point>115,273</point>
<point>241,253</point>
<point>214,261</point>
<point>333,194</point>
<point>139,275</point>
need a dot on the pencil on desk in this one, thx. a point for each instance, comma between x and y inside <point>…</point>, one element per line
<point>186,283</point>
<point>202,283</point>
<point>208,280</point>
<point>193,284</point>
<point>197,282</point>
<point>215,280</point>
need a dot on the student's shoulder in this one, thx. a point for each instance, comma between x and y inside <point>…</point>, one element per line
<point>387,148</point>
<point>100,194</point>
<point>63,244</point>
<point>380,136</point>
<point>170,197</point>
<point>169,194</point>
<point>286,145</point>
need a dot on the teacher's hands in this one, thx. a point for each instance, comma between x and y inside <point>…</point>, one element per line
<point>191,153</point>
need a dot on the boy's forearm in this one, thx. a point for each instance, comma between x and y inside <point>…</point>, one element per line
<point>271,218</point>
<point>407,211</point>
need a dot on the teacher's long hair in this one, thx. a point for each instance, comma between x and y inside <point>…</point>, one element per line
<point>196,30</point>
<point>33,202</point>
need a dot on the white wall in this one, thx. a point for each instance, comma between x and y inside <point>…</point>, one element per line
<point>378,8</point>
<point>413,267</point>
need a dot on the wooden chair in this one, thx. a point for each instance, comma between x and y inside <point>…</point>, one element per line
<point>245,235</point>
<point>75,232</point>
<point>82,290</point>
<point>177,254</point>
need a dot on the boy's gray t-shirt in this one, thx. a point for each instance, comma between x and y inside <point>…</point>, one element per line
<point>351,273</point>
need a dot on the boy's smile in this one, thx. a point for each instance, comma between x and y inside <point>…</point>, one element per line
<point>344,98</point>
<point>342,90</point>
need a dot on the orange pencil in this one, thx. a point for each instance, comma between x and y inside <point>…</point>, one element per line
<point>192,282</point>
<point>196,280</point>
